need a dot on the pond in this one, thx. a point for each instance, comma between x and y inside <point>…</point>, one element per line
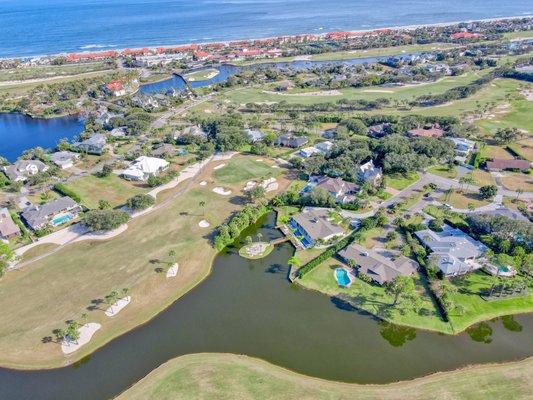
<point>19,132</point>
<point>227,70</point>
<point>249,307</point>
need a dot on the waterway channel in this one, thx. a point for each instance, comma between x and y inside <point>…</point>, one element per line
<point>249,307</point>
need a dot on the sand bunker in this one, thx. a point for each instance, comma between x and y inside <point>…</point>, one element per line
<point>116,307</point>
<point>268,184</point>
<point>203,183</point>
<point>222,191</point>
<point>203,224</point>
<point>86,333</point>
<point>220,166</point>
<point>172,271</point>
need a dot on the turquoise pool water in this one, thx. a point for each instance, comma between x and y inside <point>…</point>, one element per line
<point>342,277</point>
<point>61,219</point>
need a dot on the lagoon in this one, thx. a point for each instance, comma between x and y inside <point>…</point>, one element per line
<point>19,132</point>
<point>249,307</point>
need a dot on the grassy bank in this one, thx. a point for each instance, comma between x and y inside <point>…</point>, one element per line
<point>230,376</point>
<point>374,299</point>
<point>76,278</point>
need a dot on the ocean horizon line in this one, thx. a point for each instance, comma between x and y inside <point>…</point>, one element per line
<point>116,47</point>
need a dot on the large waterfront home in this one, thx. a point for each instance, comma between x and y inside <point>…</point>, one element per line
<point>380,265</point>
<point>454,252</point>
<point>463,147</point>
<point>368,172</point>
<point>55,212</point>
<point>93,145</point>
<point>8,228</point>
<point>144,167</point>
<point>21,170</point>
<point>314,225</point>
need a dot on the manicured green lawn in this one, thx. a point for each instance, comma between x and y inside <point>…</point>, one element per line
<point>232,377</point>
<point>477,309</point>
<point>374,299</point>
<point>284,213</point>
<point>437,212</point>
<point>400,182</point>
<point>244,170</point>
<point>111,188</point>
<point>444,171</point>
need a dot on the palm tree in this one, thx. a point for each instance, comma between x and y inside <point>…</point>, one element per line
<point>519,191</point>
<point>125,292</point>
<point>84,318</point>
<point>202,206</point>
<point>259,236</point>
<point>471,207</point>
<point>111,299</point>
<point>172,255</point>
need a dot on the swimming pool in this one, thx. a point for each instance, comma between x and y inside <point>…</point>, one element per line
<point>342,277</point>
<point>61,219</point>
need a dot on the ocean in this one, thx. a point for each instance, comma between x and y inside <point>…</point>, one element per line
<point>38,27</point>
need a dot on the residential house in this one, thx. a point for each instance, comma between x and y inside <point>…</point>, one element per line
<point>454,252</point>
<point>329,133</point>
<point>308,152</point>
<point>290,140</point>
<point>314,225</point>
<point>380,265</point>
<point>165,150</point>
<point>194,130</point>
<point>324,147</point>
<point>55,212</point>
<point>22,169</point>
<point>93,145</point>
<point>119,132</point>
<point>463,147</point>
<point>64,159</point>
<point>423,132</point>
<point>499,164</point>
<point>254,135</point>
<point>379,130</point>
<point>8,228</point>
<point>342,191</point>
<point>144,167</point>
<point>115,88</point>
<point>368,172</point>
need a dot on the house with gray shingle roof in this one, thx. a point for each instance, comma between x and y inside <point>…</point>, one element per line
<point>380,265</point>
<point>21,170</point>
<point>94,145</point>
<point>313,225</point>
<point>454,252</point>
<point>39,216</point>
<point>8,228</point>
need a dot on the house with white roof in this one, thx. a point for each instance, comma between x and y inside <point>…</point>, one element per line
<point>454,252</point>
<point>368,172</point>
<point>254,135</point>
<point>64,159</point>
<point>324,147</point>
<point>463,147</point>
<point>144,167</point>
<point>308,152</point>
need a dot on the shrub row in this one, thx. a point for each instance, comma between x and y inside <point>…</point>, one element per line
<point>330,252</point>
<point>65,191</point>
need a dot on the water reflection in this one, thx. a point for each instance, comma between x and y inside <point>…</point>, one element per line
<point>481,333</point>
<point>511,324</point>
<point>396,335</point>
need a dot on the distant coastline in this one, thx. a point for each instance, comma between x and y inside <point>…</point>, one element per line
<point>321,34</point>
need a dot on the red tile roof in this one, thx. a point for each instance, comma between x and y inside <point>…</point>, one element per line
<point>465,35</point>
<point>432,132</point>
<point>499,163</point>
<point>115,86</point>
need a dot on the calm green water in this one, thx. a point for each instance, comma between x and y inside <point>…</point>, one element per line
<point>249,307</point>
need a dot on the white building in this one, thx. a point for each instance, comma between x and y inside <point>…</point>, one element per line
<point>144,167</point>
<point>324,147</point>
<point>368,172</point>
<point>308,152</point>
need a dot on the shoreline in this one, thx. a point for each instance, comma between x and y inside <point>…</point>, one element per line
<point>225,42</point>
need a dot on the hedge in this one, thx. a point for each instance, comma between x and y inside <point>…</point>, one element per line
<point>330,252</point>
<point>65,191</point>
